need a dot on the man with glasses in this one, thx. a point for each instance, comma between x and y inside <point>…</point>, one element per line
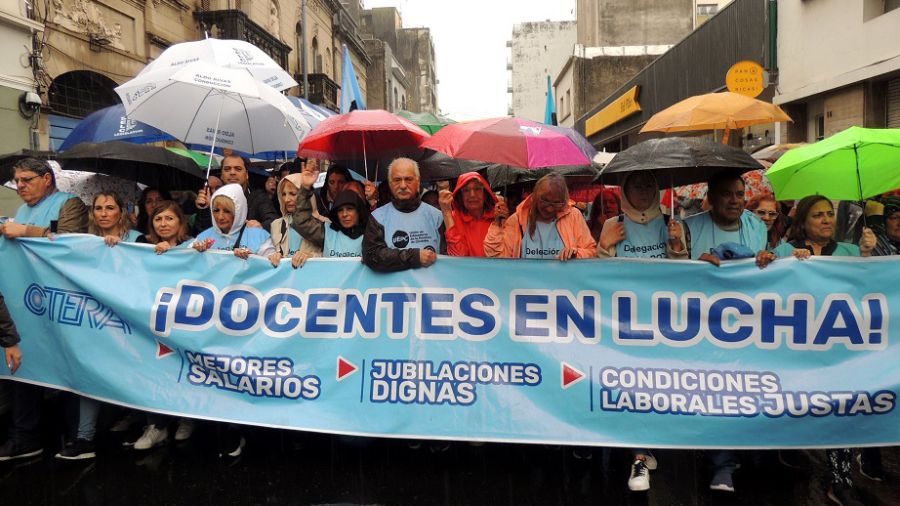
<point>403,234</point>
<point>45,210</point>
<point>44,204</point>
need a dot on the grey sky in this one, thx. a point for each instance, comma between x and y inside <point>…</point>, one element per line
<point>470,46</point>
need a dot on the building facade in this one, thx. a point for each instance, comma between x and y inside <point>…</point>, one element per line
<point>537,50</point>
<point>91,46</point>
<point>695,65</point>
<point>18,111</point>
<point>838,66</point>
<point>616,40</point>
<point>413,53</point>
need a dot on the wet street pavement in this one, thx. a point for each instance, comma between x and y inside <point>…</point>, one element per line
<point>293,468</point>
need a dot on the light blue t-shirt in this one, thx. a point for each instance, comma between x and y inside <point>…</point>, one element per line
<point>842,249</point>
<point>45,211</point>
<point>254,239</point>
<point>338,244</point>
<point>644,240</point>
<point>706,235</point>
<point>416,229</point>
<point>546,243</point>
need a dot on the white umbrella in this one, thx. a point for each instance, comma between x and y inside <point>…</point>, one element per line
<point>197,100</point>
<point>235,54</point>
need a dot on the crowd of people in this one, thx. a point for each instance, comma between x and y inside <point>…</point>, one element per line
<point>391,228</point>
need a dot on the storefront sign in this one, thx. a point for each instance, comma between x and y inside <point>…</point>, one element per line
<point>617,110</point>
<point>747,78</point>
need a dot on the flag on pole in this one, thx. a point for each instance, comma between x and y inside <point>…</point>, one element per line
<point>550,110</point>
<point>351,96</point>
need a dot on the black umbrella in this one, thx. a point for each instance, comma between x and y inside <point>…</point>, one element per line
<point>153,166</point>
<point>677,161</point>
<point>507,175</point>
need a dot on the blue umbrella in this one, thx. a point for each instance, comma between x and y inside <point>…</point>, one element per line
<point>112,124</point>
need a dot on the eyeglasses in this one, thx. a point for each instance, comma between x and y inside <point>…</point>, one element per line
<point>893,217</point>
<point>554,205</point>
<point>24,180</point>
<point>763,214</point>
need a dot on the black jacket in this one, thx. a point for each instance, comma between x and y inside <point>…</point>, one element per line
<point>9,336</point>
<point>259,208</point>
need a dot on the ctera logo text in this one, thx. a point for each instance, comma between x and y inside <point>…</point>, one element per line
<point>70,307</point>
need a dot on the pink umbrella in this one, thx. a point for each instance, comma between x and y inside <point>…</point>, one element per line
<point>513,141</point>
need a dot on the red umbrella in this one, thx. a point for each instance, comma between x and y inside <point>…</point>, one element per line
<point>513,141</point>
<point>359,135</point>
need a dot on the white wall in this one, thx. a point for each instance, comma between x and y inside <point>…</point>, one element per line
<point>827,44</point>
<point>15,39</point>
<point>565,84</point>
<point>539,49</point>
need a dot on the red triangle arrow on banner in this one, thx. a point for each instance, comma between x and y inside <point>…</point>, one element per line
<point>344,368</point>
<point>163,350</point>
<point>570,375</point>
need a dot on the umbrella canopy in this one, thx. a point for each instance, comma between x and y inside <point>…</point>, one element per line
<point>227,53</point>
<point>773,152</point>
<point>755,184</point>
<point>677,161</point>
<point>427,121</point>
<point>150,165</point>
<point>200,159</point>
<point>362,135</point>
<point>312,113</point>
<point>193,101</point>
<point>113,124</point>
<point>513,141</point>
<point>855,164</point>
<point>715,111</point>
<point>499,175</point>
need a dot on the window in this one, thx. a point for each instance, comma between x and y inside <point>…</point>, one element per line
<point>707,9</point>
<point>81,92</point>
<point>820,127</point>
<point>569,101</point>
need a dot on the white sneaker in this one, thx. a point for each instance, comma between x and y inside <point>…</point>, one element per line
<point>185,429</point>
<point>151,437</point>
<point>639,481</point>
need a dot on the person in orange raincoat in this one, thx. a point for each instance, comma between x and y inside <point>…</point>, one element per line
<point>544,226</point>
<point>468,213</point>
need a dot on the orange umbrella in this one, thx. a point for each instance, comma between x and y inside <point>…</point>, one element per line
<point>715,111</point>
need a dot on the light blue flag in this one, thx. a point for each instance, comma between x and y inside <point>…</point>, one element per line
<point>550,109</point>
<point>350,91</point>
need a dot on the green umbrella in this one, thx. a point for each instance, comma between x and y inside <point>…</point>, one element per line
<point>201,159</point>
<point>427,121</point>
<point>855,164</point>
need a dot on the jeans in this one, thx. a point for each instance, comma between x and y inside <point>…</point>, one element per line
<point>26,414</point>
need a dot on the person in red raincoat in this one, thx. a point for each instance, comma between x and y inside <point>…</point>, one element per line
<point>468,213</point>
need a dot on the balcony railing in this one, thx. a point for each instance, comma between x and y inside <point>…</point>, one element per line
<point>322,90</point>
<point>234,24</point>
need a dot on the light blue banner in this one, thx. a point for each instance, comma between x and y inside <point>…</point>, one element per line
<point>627,353</point>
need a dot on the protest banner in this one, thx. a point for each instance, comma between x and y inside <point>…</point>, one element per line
<point>632,353</point>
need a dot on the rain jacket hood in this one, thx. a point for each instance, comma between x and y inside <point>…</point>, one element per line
<point>349,197</point>
<point>235,192</point>
<point>651,213</point>
<point>490,199</point>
